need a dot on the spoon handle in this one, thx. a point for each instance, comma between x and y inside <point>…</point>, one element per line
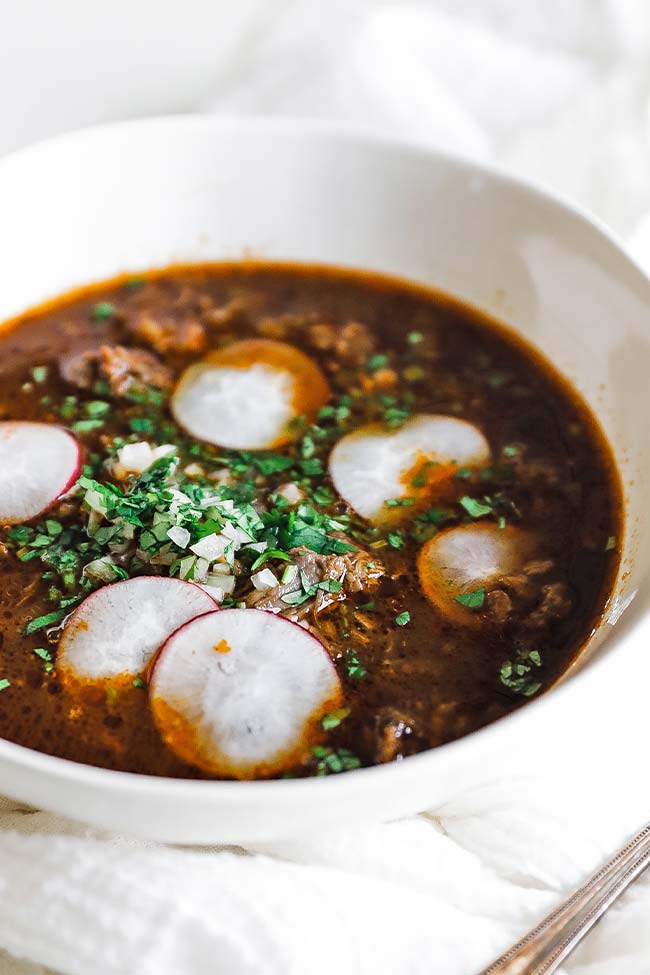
<point>543,949</point>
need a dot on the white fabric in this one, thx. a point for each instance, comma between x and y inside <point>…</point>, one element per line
<point>554,89</point>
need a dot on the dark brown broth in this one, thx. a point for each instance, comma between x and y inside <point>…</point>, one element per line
<point>443,679</point>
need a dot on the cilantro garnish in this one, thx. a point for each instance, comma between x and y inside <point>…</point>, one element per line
<point>330,761</point>
<point>475,508</point>
<point>102,311</point>
<point>473,600</point>
<point>4,683</point>
<point>518,675</point>
<point>334,718</point>
<point>355,668</point>
<point>403,618</point>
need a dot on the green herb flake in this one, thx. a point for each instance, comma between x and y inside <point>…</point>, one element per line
<point>475,508</point>
<point>354,665</point>
<point>472,600</point>
<point>4,683</point>
<point>376,362</point>
<point>39,374</point>
<point>610,544</point>
<point>510,450</point>
<point>49,619</point>
<point>330,761</point>
<point>97,407</point>
<point>102,311</point>
<point>518,675</point>
<point>463,472</point>
<point>43,653</point>
<point>403,618</point>
<point>87,426</point>
<point>415,338</point>
<point>395,539</point>
<point>334,718</point>
<point>399,502</point>
<point>139,683</point>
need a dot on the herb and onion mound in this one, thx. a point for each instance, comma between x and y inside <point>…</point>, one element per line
<point>409,484</point>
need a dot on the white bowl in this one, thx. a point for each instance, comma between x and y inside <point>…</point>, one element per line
<point>134,195</point>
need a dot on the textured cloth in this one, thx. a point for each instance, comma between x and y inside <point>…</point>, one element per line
<point>553,89</point>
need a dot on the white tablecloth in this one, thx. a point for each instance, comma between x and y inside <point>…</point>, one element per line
<point>555,89</point>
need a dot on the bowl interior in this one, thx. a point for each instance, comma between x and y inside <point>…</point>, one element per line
<point>138,195</point>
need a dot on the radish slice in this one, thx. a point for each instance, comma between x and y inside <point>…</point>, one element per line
<point>244,396</point>
<point>466,560</point>
<point>241,693</point>
<point>117,629</point>
<point>38,463</point>
<point>370,466</point>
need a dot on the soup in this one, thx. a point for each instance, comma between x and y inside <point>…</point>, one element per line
<point>268,521</point>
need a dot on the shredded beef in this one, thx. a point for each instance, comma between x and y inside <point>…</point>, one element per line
<point>393,729</point>
<point>123,368</point>
<point>351,570</point>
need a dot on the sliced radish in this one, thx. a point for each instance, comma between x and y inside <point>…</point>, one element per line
<point>245,396</point>
<point>117,629</point>
<point>465,561</point>
<point>241,693</point>
<point>371,466</point>
<point>38,463</point>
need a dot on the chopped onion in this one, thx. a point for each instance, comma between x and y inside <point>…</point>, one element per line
<point>263,580</point>
<point>179,536</point>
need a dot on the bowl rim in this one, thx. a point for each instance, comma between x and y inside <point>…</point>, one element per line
<point>414,767</point>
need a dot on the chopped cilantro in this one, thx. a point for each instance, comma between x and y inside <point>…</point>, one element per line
<point>395,539</point>
<point>330,761</point>
<point>43,653</point>
<point>4,683</point>
<point>376,362</point>
<point>41,622</point>
<point>334,718</point>
<point>414,338</point>
<point>354,666</point>
<point>138,682</point>
<point>102,311</point>
<point>475,508</point>
<point>610,543</point>
<point>518,675</point>
<point>473,600</point>
<point>86,426</point>
<point>39,374</point>
<point>510,450</point>
<point>403,618</point>
<point>463,472</point>
<point>399,502</point>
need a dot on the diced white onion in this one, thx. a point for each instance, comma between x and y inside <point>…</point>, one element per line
<point>179,536</point>
<point>258,547</point>
<point>211,547</point>
<point>201,567</point>
<point>290,492</point>
<point>264,580</point>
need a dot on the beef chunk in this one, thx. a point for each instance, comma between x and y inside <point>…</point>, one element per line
<point>125,368</point>
<point>393,729</point>
<point>79,367</point>
<point>351,570</point>
<point>498,605</point>
<point>555,604</point>
<point>355,343</point>
<point>184,333</point>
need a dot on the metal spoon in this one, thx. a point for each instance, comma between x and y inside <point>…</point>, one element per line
<point>543,949</point>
